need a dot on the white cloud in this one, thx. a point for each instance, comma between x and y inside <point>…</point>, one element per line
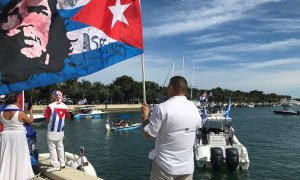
<point>281,24</point>
<point>198,17</point>
<point>279,62</point>
<point>212,38</point>
<point>200,57</point>
<point>250,47</point>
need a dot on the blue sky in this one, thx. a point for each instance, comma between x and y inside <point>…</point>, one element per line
<point>233,44</point>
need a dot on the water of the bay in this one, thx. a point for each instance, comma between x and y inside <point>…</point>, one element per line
<point>272,141</point>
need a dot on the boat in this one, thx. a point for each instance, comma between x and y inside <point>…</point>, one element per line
<point>211,150</point>
<point>126,128</point>
<point>251,105</point>
<point>69,158</point>
<point>87,112</point>
<point>286,110</point>
<point>123,124</point>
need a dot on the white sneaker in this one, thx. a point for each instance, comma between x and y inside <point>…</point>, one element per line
<point>51,169</point>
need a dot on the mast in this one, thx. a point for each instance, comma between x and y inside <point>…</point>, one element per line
<point>182,66</point>
<point>173,69</point>
<point>192,84</point>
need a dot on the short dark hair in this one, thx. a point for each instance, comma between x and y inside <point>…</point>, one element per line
<point>11,98</point>
<point>179,84</point>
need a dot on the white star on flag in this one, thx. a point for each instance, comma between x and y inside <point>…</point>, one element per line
<point>118,13</point>
<point>60,112</point>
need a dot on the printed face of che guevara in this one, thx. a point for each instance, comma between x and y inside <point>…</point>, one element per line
<point>32,18</point>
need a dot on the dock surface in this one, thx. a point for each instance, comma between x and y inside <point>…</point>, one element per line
<point>67,173</point>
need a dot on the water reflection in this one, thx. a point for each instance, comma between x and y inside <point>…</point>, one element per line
<point>221,175</point>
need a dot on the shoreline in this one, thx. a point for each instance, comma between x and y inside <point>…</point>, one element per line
<point>110,107</point>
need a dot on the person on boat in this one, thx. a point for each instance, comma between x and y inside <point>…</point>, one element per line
<point>230,134</point>
<point>15,161</point>
<point>174,124</point>
<point>127,122</point>
<point>55,115</point>
<point>120,122</point>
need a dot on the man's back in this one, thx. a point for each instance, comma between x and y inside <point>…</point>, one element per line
<point>174,142</point>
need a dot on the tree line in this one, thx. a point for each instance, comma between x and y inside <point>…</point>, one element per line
<point>125,89</point>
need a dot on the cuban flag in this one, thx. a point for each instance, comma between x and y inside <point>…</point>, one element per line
<point>57,123</point>
<point>204,115</point>
<point>83,101</point>
<point>227,110</point>
<point>49,41</point>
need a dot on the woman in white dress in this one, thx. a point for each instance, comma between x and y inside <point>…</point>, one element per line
<point>14,153</point>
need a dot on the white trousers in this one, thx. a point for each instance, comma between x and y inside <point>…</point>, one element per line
<point>57,153</point>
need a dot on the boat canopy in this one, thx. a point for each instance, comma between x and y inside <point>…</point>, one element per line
<point>84,107</point>
<point>123,116</point>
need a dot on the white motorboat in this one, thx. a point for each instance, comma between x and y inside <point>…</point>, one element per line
<point>88,112</point>
<point>211,151</point>
<point>286,110</point>
<point>70,157</point>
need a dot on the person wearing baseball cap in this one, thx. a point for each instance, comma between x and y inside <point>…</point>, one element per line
<point>55,115</point>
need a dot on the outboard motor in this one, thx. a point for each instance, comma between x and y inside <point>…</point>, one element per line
<point>298,113</point>
<point>216,158</point>
<point>232,159</point>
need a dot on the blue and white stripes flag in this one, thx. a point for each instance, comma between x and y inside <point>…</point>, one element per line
<point>49,41</point>
<point>204,115</point>
<point>82,101</point>
<point>228,109</point>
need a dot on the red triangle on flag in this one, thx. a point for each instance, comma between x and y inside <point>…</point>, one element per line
<point>99,14</point>
<point>60,112</point>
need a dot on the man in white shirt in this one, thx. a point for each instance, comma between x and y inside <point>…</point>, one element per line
<point>174,124</point>
<point>229,139</point>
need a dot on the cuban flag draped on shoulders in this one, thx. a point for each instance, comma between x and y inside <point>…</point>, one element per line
<point>203,115</point>
<point>57,116</point>
<point>70,39</point>
<point>228,110</point>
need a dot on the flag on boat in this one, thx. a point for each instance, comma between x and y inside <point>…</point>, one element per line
<point>203,97</point>
<point>203,115</point>
<point>228,109</point>
<point>82,101</point>
<point>49,41</point>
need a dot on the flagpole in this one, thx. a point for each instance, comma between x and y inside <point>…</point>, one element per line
<point>23,100</point>
<point>143,68</point>
<point>143,77</point>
